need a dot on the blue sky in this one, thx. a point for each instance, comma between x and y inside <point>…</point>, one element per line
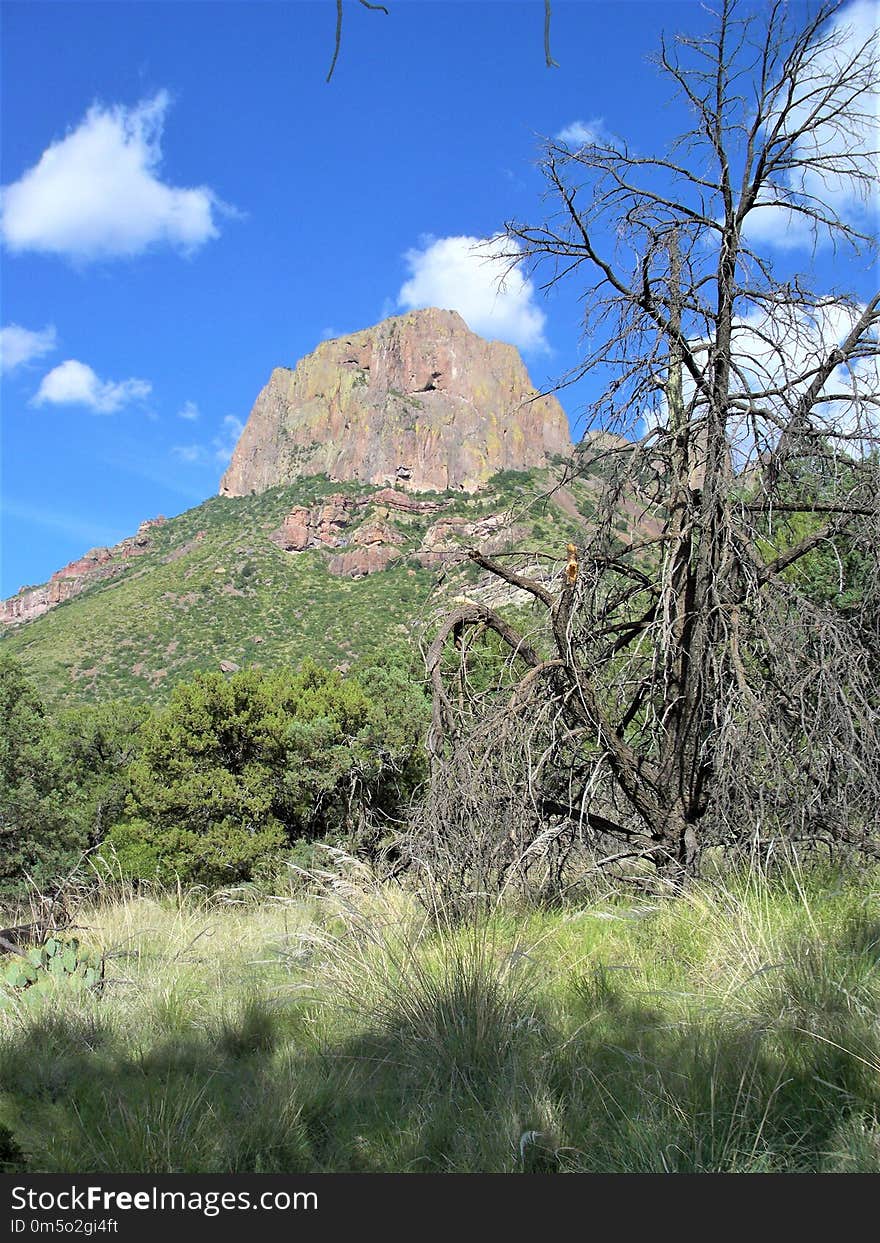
<point>188,204</point>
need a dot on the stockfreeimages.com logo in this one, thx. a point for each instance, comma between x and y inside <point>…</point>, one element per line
<point>208,1203</point>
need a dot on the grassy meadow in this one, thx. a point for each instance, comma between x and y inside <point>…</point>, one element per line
<point>348,1026</point>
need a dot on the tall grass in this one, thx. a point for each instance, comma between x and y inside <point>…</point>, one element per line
<point>734,1028</point>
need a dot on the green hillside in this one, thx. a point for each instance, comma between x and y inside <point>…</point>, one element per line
<point>214,588</point>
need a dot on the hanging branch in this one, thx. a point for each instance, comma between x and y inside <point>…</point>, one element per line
<point>548,58</point>
<point>338,40</point>
<point>548,12</point>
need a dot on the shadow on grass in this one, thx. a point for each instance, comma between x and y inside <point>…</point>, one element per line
<point>605,1081</point>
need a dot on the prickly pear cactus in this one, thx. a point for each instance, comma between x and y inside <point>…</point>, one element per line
<point>58,963</point>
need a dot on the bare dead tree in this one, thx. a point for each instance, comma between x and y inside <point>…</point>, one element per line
<point>693,686</point>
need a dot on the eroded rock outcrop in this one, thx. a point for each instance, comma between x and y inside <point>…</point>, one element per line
<point>359,562</point>
<point>360,531</point>
<point>296,533</point>
<point>446,541</point>
<point>86,564</point>
<point>370,546</point>
<point>417,403</point>
<point>323,525</point>
<point>401,501</point>
<point>71,579</point>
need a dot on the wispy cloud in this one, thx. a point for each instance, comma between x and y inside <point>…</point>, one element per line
<point>780,351</point>
<point>19,346</point>
<point>97,193</point>
<point>155,468</point>
<point>73,383</point>
<point>218,450</point>
<point>583,133</point>
<point>190,453</point>
<point>224,444</point>
<point>72,525</point>
<point>475,277</point>
<point>189,410</point>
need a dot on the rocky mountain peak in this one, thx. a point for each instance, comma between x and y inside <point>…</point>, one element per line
<point>418,402</point>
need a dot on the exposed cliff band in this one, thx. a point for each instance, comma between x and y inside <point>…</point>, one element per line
<point>76,576</point>
<point>418,402</point>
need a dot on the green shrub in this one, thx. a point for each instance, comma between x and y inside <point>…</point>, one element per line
<point>223,852</point>
<point>39,834</point>
<point>235,769</point>
<point>96,744</point>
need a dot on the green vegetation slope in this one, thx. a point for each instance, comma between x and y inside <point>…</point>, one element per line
<point>214,591</point>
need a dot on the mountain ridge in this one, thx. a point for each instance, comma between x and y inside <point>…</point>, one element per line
<point>328,552</point>
<point>339,414</point>
<point>416,402</point>
<point>230,583</point>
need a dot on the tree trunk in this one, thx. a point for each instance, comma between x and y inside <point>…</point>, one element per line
<point>680,860</point>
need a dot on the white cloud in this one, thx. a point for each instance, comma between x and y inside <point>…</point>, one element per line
<point>19,345</point>
<point>779,226</point>
<point>73,383</point>
<point>96,193</point>
<point>583,133</point>
<point>783,350</point>
<point>776,353</point>
<point>470,275</point>
<point>224,444</point>
<point>189,411</point>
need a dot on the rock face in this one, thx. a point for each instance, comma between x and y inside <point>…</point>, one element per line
<point>97,564</point>
<point>321,526</point>
<point>33,601</point>
<point>447,540</point>
<point>417,403</point>
<point>405,504</point>
<point>86,564</point>
<point>368,547</point>
<point>359,562</point>
<point>359,532</point>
